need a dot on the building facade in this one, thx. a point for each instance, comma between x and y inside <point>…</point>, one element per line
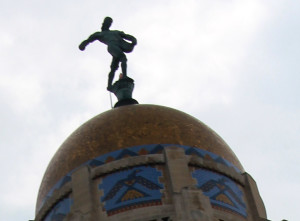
<point>147,163</point>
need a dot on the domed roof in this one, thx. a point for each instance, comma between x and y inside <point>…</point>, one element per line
<point>129,126</point>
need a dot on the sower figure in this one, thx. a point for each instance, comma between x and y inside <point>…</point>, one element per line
<point>116,46</point>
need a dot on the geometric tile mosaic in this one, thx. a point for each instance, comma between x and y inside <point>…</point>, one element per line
<point>129,189</point>
<point>58,185</point>
<point>223,193</point>
<point>208,155</point>
<point>137,151</point>
<point>59,211</point>
<point>154,149</point>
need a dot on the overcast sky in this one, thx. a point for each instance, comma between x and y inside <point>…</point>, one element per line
<point>233,64</point>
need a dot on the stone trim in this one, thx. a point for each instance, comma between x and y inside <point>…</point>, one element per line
<point>127,162</point>
<point>55,198</point>
<point>150,149</point>
<point>255,203</point>
<point>159,159</point>
<point>153,213</point>
<point>137,161</point>
<point>217,167</point>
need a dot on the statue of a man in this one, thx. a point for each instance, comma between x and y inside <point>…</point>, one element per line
<point>116,46</point>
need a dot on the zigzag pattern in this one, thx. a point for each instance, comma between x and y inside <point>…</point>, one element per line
<point>60,210</point>
<point>222,191</point>
<point>141,150</point>
<point>128,189</point>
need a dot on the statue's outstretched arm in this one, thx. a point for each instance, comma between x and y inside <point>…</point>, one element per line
<point>87,41</point>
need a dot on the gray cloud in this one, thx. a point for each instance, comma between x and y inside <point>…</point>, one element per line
<point>233,65</point>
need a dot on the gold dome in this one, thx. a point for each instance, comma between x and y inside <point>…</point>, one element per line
<point>129,126</point>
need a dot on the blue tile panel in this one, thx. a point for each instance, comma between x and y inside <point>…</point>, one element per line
<point>130,189</point>
<point>58,185</point>
<point>141,150</point>
<point>59,211</point>
<point>223,193</point>
<point>154,149</point>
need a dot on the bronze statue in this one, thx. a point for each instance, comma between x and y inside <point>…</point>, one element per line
<point>116,46</point>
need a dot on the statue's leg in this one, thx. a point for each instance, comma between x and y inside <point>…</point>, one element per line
<point>123,61</point>
<point>113,67</point>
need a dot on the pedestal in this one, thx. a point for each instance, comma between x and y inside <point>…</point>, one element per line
<point>123,90</point>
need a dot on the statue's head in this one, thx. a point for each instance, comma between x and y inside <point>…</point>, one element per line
<point>106,23</point>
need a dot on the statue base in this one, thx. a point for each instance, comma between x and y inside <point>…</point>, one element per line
<point>123,90</point>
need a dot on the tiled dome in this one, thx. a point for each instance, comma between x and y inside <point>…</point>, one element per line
<point>130,126</point>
